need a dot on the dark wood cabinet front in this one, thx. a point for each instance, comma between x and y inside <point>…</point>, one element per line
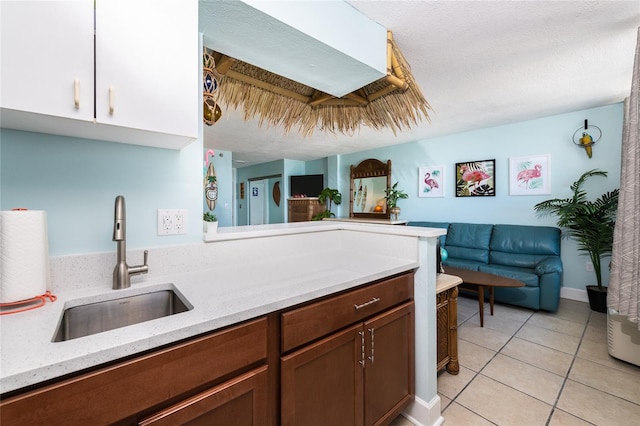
<point>240,402</point>
<point>303,209</point>
<point>128,391</point>
<point>361,374</point>
<point>346,359</point>
<point>389,364</point>
<point>322,383</point>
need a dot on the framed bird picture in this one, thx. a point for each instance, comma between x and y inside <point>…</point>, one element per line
<point>431,181</point>
<point>530,175</point>
<point>476,179</point>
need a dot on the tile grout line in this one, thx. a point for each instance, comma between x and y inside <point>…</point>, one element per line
<point>590,319</point>
<point>499,351</point>
<point>566,377</point>
<point>476,373</point>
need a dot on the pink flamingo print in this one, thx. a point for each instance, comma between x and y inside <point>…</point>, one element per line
<point>431,183</point>
<point>473,177</point>
<point>526,175</point>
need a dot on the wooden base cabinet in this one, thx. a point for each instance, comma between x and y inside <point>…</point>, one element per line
<point>345,359</point>
<point>447,323</point>
<point>359,375</point>
<point>303,209</point>
<point>203,378</point>
<point>241,401</point>
<point>322,384</point>
<point>389,364</point>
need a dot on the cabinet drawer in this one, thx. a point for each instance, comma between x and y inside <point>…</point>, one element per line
<point>240,401</point>
<point>318,319</point>
<point>119,391</point>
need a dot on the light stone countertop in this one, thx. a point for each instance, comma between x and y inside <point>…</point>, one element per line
<point>445,282</point>
<point>229,293</point>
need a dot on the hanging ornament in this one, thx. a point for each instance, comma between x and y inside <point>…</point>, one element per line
<point>211,187</point>
<point>210,109</point>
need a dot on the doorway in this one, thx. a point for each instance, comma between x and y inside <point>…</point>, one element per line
<point>258,207</point>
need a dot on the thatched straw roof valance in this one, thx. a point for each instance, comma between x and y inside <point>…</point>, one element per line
<point>393,102</point>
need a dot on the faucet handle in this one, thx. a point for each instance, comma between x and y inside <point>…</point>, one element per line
<point>140,269</point>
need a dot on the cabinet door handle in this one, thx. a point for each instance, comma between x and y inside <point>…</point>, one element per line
<point>370,302</point>
<point>361,333</point>
<point>372,332</point>
<point>76,93</point>
<point>111,100</point>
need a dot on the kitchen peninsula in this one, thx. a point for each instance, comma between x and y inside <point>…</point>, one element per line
<point>240,278</point>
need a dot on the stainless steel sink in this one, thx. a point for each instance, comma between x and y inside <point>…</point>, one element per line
<point>91,318</point>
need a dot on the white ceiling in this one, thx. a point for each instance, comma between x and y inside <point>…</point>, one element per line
<point>479,64</point>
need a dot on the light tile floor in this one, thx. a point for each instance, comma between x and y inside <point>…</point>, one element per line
<point>537,368</point>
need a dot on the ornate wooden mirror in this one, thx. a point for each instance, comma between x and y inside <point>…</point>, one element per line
<point>369,179</point>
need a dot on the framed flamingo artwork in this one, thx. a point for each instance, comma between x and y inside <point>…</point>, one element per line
<point>476,179</point>
<point>431,181</point>
<point>529,175</point>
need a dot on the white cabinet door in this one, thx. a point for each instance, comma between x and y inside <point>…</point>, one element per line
<point>147,65</point>
<point>147,62</point>
<point>46,46</point>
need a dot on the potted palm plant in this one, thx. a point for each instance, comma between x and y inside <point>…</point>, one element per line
<point>329,196</point>
<point>591,224</point>
<point>392,196</point>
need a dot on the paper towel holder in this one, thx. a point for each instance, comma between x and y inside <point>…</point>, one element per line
<point>17,306</point>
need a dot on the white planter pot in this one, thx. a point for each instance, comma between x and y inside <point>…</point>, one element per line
<point>210,227</point>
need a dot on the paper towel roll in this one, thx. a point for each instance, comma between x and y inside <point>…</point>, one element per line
<point>24,255</point>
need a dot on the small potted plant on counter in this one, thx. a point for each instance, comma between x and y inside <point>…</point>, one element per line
<point>330,195</point>
<point>392,196</point>
<point>210,223</point>
<point>591,224</point>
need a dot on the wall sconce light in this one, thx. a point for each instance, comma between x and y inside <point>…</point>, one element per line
<point>587,136</point>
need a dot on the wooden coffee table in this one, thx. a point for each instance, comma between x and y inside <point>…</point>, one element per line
<point>482,280</point>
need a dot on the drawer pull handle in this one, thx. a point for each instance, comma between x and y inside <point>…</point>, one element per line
<point>361,362</point>
<point>112,106</point>
<point>76,93</point>
<point>365,304</point>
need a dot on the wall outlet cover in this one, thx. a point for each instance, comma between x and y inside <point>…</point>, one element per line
<point>172,221</point>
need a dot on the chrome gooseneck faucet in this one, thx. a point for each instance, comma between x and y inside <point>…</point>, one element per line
<point>122,272</point>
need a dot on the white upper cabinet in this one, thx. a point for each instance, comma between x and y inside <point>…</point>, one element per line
<point>146,74</point>
<point>47,57</point>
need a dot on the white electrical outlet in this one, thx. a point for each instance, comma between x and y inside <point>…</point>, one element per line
<point>172,221</point>
<point>166,221</point>
<point>589,266</point>
<point>178,223</point>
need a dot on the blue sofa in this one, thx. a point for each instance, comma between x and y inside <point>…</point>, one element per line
<point>527,253</point>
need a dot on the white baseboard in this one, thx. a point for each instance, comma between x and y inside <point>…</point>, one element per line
<point>423,413</point>
<point>574,294</point>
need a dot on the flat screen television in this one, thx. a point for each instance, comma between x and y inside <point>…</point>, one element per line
<point>306,185</point>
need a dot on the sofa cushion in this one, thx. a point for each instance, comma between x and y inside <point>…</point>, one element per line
<point>527,276</point>
<point>462,264</point>
<point>523,246</point>
<point>469,241</point>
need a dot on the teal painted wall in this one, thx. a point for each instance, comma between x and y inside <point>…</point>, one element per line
<point>276,210</point>
<point>277,214</point>
<point>76,181</point>
<point>550,135</point>
<point>283,168</point>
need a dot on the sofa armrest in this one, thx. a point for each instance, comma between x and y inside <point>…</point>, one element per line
<point>549,265</point>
